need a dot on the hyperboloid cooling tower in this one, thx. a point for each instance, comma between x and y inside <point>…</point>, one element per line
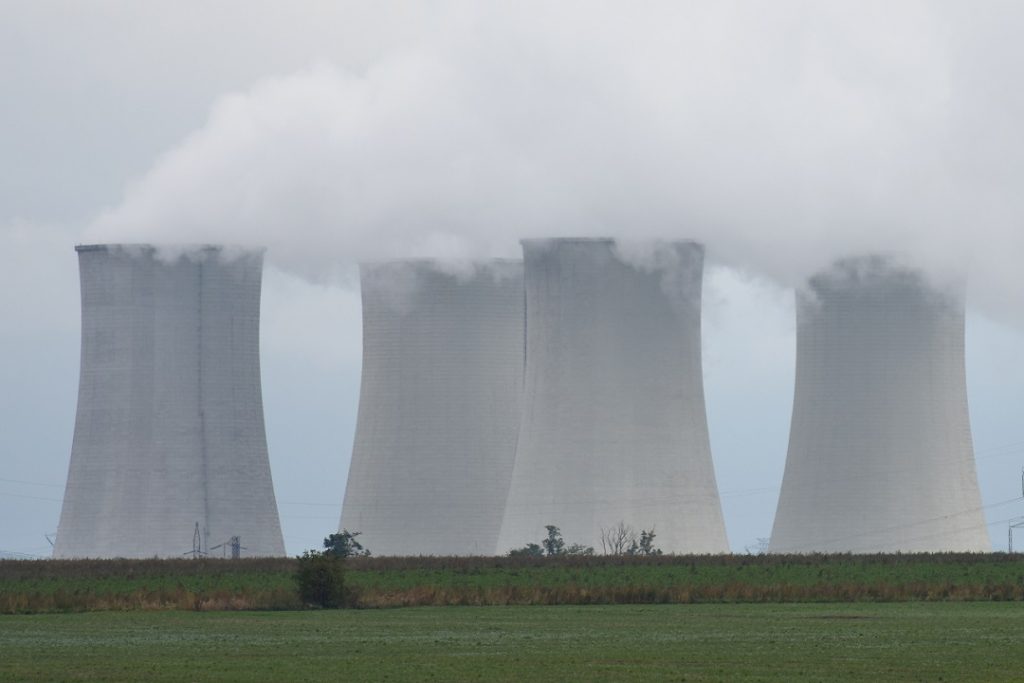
<point>613,428</point>
<point>169,432</point>
<point>438,409</point>
<point>880,456</point>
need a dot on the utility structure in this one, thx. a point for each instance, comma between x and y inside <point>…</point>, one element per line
<point>438,407</point>
<point>234,544</point>
<point>880,454</point>
<point>1017,522</point>
<point>169,434</point>
<point>614,427</point>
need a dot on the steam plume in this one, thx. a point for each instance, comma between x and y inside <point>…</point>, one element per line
<point>783,136</point>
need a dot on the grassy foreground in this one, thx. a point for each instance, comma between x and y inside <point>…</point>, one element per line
<point>878,642</point>
<point>266,584</point>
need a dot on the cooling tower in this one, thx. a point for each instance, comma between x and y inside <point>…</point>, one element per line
<point>438,408</point>
<point>880,456</point>
<point>169,431</point>
<point>613,428</point>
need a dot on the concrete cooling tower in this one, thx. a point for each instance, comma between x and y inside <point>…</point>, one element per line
<point>880,456</point>
<point>169,432</point>
<point>438,409</point>
<point>613,428</point>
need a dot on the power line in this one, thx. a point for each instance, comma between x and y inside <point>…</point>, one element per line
<point>16,495</point>
<point>292,502</point>
<point>12,554</point>
<point>1001,447</point>
<point>832,541</point>
<point>31,483</point>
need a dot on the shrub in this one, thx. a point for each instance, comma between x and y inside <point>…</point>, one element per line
<point>528,550</point>
<point>321,579</point>
<point>578,549</point>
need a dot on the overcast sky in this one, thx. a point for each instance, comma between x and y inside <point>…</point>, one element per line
<point>783,135</point>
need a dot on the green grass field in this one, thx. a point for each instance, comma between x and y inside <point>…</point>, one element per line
<point>952,641</point>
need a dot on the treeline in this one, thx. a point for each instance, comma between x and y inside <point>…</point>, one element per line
<point>249,584</point>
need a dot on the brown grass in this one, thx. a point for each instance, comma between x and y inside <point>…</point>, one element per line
<point>433,596</point>
<point>266,584</point>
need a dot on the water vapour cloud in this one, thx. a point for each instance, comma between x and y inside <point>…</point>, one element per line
<point>782,136</point>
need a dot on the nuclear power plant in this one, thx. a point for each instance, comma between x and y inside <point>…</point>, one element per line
<point>613,425</point>
<point>564,390</point>
<point>439,407</point>
<point>880,454</point>
<point>169,455</point>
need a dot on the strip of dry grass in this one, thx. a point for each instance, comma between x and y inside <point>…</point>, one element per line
<point>267,584</point>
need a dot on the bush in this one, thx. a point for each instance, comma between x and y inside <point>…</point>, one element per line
<point>528,550</point>
<point>321,579</point>
<point>578,549</point>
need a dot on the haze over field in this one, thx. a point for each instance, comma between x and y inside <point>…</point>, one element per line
<point>782,136</point>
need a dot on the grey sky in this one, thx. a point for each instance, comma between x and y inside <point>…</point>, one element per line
<point>782,135</point>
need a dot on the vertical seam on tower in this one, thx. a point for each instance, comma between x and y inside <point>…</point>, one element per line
<point>202,411</point>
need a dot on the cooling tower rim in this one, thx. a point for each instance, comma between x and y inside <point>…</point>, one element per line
<point>567,240</point>
<point>434,262</point>
<point>185,248</point>
<point>866,267</point>
<point>540,241</point>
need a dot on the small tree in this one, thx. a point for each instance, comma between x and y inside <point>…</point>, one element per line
<point>622,539</point>
<point>321,579</point>
<point>345,545</point>
<point>618,540</point>
<point>646,545</point>
<point>553,544</point>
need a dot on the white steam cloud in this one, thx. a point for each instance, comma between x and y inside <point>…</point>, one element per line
<point>782,135</point>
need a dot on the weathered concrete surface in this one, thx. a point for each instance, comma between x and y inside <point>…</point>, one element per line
<point>438,409</point>
<point>614,426</point>
<point>880,455</point>
<point>169,430</point>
